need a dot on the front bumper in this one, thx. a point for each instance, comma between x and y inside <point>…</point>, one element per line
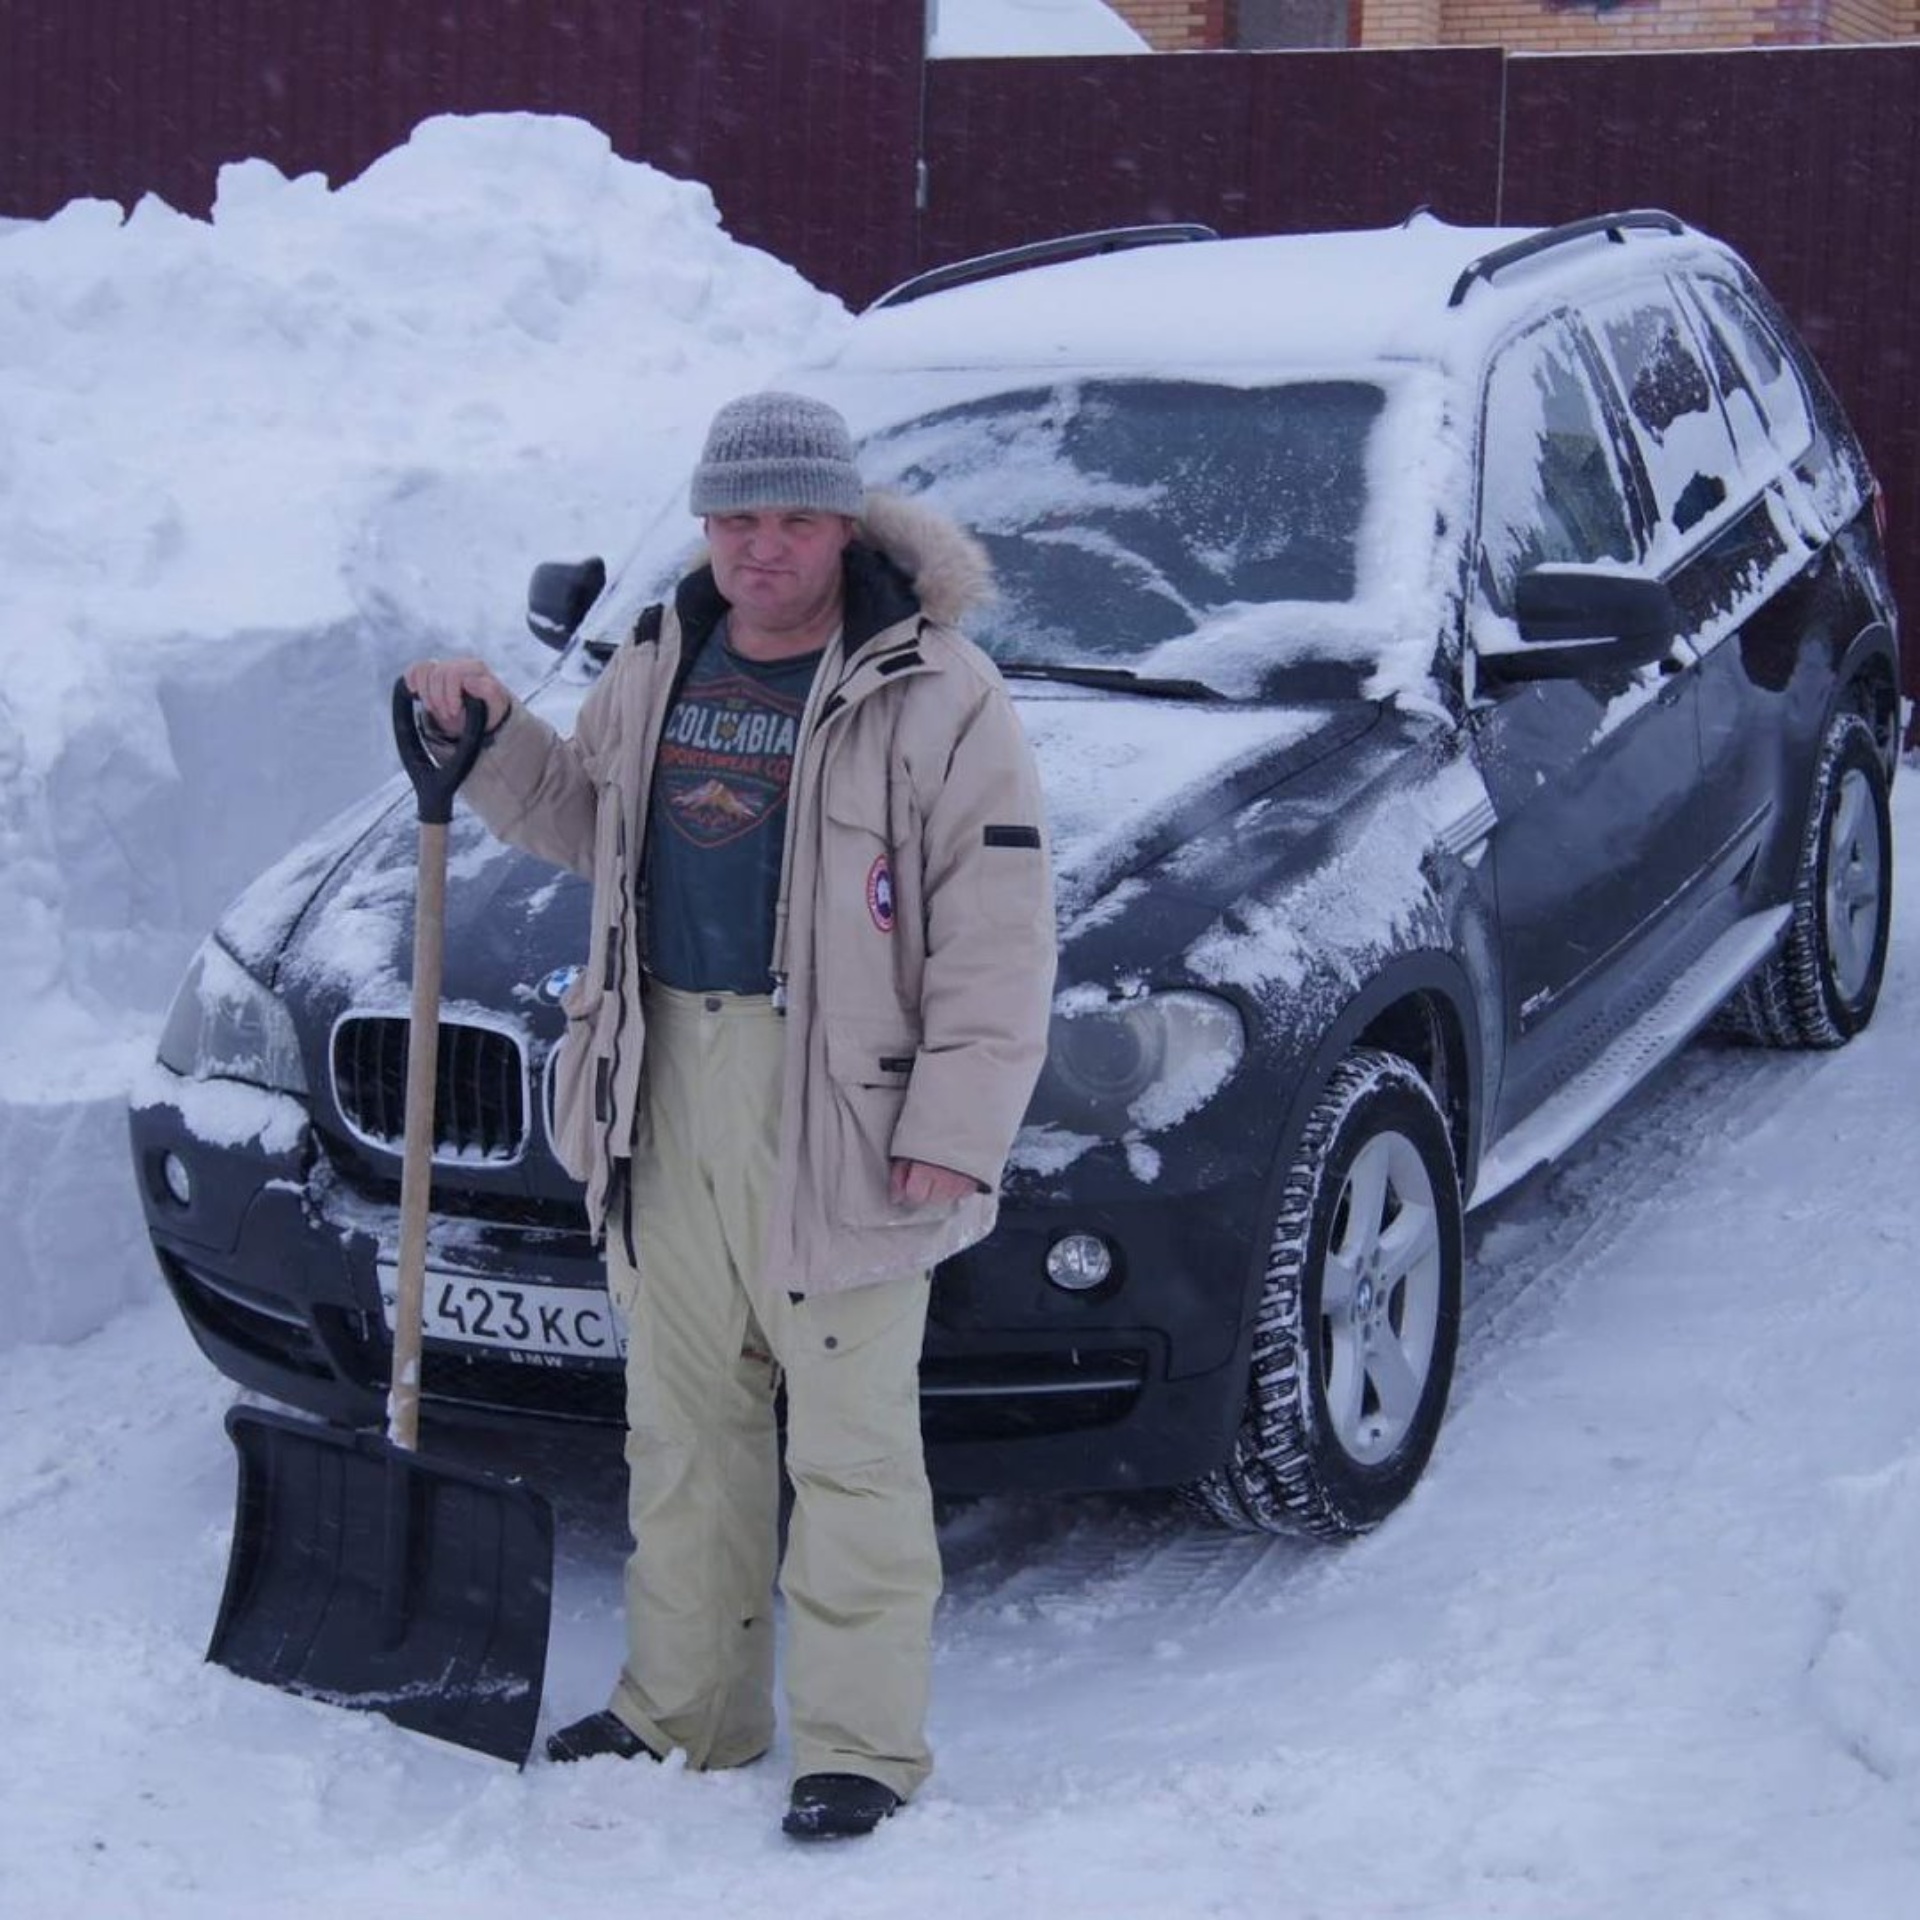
<point>274,1266</point>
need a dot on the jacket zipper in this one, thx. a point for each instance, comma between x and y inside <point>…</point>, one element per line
<point>812,717</point>
<point>616,936</point>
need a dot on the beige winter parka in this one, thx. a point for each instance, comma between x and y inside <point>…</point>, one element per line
<point>916,938</point>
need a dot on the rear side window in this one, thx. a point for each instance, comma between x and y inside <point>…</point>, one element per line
<point>1769,371</point>
<point>1551,488</point>
<point>1681,429</point>
<point>1738,400</point>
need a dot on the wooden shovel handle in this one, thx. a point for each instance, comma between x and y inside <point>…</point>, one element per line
<point>434,785</point>
<point>416,1169</point>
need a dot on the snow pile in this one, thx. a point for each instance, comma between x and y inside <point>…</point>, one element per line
<point>249,467</point>
<point>1866,1678</point>
<point>959,29</point>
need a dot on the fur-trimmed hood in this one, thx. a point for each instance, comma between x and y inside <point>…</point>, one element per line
<point>945,565</point>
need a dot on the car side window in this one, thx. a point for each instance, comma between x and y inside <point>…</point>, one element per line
<point>1678,422</point>
<point>1551,488</point>
<point>1776,386</point>
<point>1734,385</point>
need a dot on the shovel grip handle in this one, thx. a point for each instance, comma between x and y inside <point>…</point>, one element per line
<point>435,782</point>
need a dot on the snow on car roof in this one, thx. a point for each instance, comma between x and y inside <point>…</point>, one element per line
<point>1310,300</point>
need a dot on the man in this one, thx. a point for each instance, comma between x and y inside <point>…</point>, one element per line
<point>813,1011</point>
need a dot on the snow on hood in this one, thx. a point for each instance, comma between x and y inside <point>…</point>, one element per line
<point>510,919</point>
<point>1115,768</point>
<point>1114,771</point>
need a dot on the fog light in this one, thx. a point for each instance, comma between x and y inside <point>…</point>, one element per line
<point>1079,1262</point>
<point>173,1170</point>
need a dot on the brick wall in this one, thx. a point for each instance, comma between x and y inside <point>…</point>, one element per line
<point>1558,26</point>
<point>1852,21</point>
<point>1644,26</point>
<point>1398,23</point>
<point>1178,26</point>
<point>1663,26</point>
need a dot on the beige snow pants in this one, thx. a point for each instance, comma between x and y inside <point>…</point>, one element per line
<point>707,1346</point>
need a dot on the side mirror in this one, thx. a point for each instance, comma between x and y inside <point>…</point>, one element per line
<point>559,595</point>
<point>1581,623</point>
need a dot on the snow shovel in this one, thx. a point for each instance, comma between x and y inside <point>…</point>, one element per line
<point>361,1573</point>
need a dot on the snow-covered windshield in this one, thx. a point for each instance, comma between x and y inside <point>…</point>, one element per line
<point>1126,516</point>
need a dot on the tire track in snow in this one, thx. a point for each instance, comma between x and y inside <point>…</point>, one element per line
<point>1095,1559</point>
<point>1072,1561</point>
<point>1527,1250</point>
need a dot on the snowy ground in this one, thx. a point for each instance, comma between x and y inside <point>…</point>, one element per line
<point>1642,1643</point>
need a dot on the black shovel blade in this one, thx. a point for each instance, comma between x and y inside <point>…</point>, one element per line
<point>366,1576</point>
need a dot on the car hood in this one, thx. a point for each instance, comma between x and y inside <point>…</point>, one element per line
<point>510,919</point>
<point>1126,779</point>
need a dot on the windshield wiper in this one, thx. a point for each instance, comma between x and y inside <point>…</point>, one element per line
<point>1113,679</point>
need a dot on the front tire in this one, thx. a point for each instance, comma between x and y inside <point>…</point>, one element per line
<point>1354,1349</point>
<point>1820,989</point>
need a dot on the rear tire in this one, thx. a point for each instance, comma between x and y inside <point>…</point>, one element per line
<point>1354,1348</point>
<point>1820,989</point>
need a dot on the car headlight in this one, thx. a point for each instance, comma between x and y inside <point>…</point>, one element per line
<point>225,1025</point>
<point>1135,1066</point>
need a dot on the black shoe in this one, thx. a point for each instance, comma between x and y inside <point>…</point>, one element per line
<point>837,1806</point>
<point>599,1733</point>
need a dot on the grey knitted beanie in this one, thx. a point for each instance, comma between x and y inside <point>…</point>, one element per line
<point>777,450</point>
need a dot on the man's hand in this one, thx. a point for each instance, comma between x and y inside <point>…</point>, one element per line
<point>438,685</point>
<point>919,1183</point>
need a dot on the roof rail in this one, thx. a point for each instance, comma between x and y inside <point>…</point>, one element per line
<point>1614,225</point>
<point>1035,253</point>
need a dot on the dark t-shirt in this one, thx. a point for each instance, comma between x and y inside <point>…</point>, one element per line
<point>718,818</point>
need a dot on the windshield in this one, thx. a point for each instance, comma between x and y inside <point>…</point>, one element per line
<point>1124,517</point>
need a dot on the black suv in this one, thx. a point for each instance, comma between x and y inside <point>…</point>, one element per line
<point>1462,667</point>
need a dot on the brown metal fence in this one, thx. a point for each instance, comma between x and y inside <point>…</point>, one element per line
<point>829,140</point>
<point>804,118</point>
<point>1016,149</point>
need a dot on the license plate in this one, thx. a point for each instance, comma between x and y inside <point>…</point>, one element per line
<point>504,1316</point>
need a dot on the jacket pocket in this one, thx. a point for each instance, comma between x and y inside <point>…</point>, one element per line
<point>859,881</point>
<point>581,1098</point>
<point>575,1124</point>
<point>867,1073</point>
